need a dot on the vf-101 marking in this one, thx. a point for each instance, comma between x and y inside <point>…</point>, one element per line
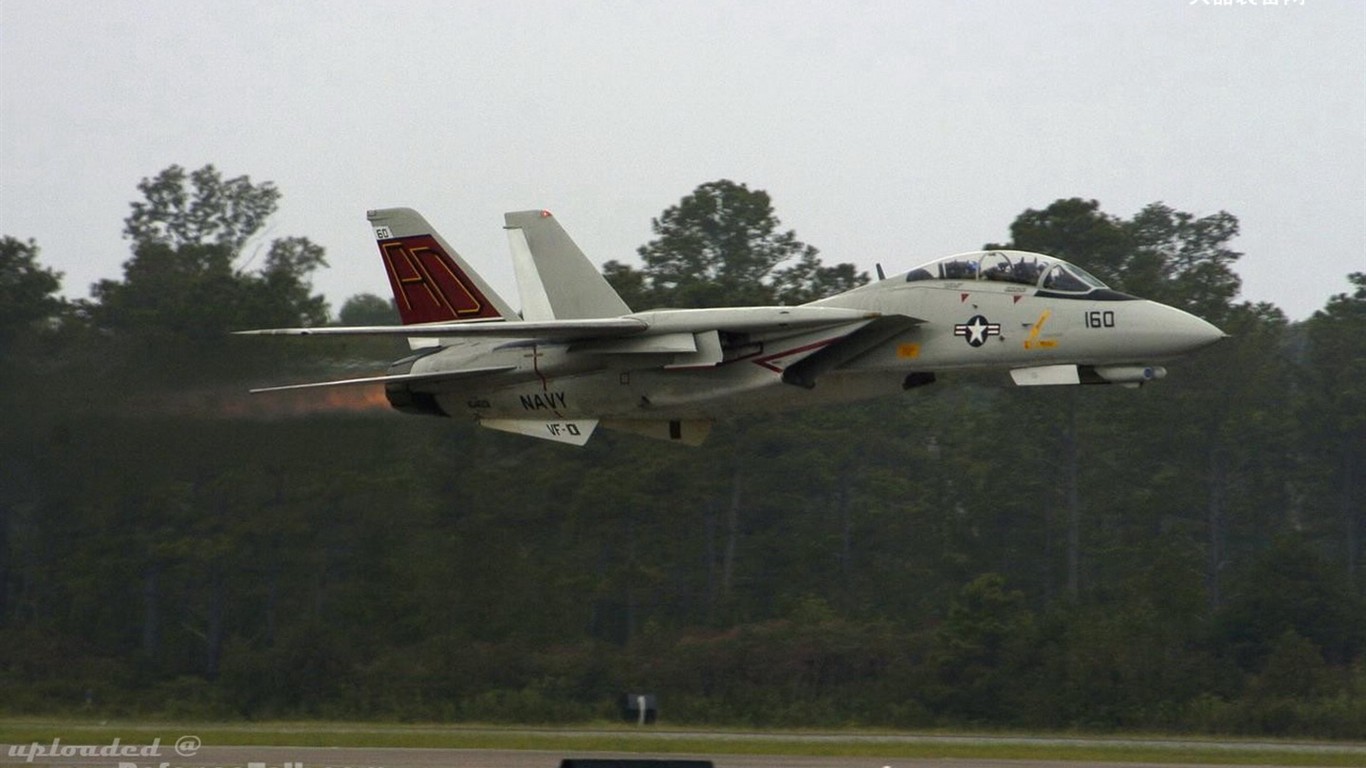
<point>576,357</point>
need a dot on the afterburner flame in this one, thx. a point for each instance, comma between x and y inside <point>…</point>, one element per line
<point>356,399</point>
<point>237,403</point>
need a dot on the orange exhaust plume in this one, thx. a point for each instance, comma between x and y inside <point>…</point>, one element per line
<point>237,403</point>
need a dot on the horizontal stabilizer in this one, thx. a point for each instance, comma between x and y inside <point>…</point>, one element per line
<point>408,378</point>
<point>557,330</point>
<point>572,431</point>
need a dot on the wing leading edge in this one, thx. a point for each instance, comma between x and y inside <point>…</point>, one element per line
<point>407,378</point>
<point>553,330</point>
<point>664,321</point>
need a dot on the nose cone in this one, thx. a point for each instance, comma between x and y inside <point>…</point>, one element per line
<point>1178,332</point>
<point>1205,333</point>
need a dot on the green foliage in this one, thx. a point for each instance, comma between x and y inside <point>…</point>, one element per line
<point>182,290</point>
<point>1337,354</point>
<point>1076,230</point>
<point>721,245</point>
<point>1160,254</point>
<point>368,309</point>
<point>282,286</point>
<point>1333,411</point>
<point>1294,668</point>
<point>183,551</point>
<point>979,648</point>
<point>1290,589</point>
<point>1182,260</point>
<point>208,210</point>
<point>27,289</point>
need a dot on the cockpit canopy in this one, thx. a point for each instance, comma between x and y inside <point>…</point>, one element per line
<point>1021,267</point>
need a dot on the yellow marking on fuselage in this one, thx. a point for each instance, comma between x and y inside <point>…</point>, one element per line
<point>1033,341</point>
<point>908,351</point>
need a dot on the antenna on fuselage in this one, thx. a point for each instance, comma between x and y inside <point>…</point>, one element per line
<point>880,274</point>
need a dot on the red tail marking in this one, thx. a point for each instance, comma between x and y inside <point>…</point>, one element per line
<point>428,285</point>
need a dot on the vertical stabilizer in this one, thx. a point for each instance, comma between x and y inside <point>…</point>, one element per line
<point>568,286</point>
<point>530,289</point>
<point>431,283</point>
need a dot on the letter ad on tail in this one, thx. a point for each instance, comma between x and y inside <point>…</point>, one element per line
<point>431,283</point>
<point>428,286</point>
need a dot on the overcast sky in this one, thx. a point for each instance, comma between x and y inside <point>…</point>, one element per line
<point>890,132</point>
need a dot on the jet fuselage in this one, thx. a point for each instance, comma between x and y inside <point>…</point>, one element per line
<point>575,356</point>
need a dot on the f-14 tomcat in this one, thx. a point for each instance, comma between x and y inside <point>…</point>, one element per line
<point>577,357</point>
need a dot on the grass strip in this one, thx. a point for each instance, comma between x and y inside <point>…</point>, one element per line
<point>661,740</point>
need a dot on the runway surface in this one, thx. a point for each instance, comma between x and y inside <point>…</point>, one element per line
<point>365,757</point>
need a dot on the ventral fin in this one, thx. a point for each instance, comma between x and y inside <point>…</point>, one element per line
<point>571,431</point>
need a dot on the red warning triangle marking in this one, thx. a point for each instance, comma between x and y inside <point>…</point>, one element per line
<point>1017,298</point>
<point>962,297</point>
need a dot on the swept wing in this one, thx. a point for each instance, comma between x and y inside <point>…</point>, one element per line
<point>733,320</point>
<point>406,378</point>
<point>562,330</point>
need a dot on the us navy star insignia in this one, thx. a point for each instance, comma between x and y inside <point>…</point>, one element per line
<point>977,330</point>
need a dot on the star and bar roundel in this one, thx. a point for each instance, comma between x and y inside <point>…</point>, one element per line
<point>977,330</point>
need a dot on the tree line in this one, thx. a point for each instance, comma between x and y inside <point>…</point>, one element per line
<point>1183,557</point>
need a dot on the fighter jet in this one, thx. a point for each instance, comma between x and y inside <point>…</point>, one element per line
<point>577,358</point>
